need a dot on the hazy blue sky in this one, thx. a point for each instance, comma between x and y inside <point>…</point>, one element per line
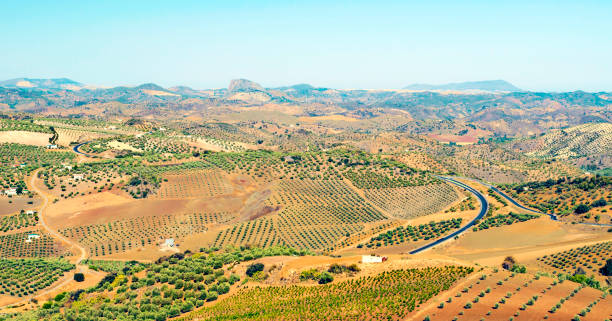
<point>548,45</point>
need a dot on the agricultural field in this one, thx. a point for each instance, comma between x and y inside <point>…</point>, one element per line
<point>502,295</point>
<point>173,214</point>
<point>410,233</point>
<point>171,287</point>
<point>23,277</point>
<point>207,183</point>
<point>388,296</point>
<point>502,219</point>
<point>410,202</point>
<point>18,221</point>
<point>587,260</point>
<point>30,244</point>
<point>125,235</point>
<point>18,161</point>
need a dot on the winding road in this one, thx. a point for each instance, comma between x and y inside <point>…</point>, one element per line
<point>517,204</point>
<point>76,149</point>
<point>484,207</point>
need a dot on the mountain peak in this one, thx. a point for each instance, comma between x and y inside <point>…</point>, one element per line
<point>237,85</point>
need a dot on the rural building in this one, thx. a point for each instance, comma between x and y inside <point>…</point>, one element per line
<point>30,212</point>
<point>11,191</point>
<point>68,167</point>
<point>77,177</point>
<point>51,146</point>
<point>373,259</point>
<point>31,237</point>
<point>169,243</point>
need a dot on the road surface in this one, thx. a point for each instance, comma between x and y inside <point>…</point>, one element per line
<point>517,204</point>
<point>76,149</point>
<point>484,207</point>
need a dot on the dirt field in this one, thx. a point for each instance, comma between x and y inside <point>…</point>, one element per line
<point>10,205</point>
<point>525,241</point>
<point>25,138</point>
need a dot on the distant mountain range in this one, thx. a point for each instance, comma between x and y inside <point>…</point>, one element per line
<point>53,83</point>
<point>495,105</point>
<point>486,85</point>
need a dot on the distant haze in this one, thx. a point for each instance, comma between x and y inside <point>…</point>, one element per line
<point>537,46</point>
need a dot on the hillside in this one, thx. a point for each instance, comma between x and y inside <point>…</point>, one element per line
<point>589,145</point>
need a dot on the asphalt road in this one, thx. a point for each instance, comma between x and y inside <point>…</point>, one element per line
<point>76,149</point>
<point>517,204</point>
<point>484,207</point>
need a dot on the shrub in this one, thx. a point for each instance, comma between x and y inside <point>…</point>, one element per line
<point>79,277</point>
<point>325,278</point>
<point>253,268</point>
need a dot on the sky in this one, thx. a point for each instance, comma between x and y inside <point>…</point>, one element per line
<point>536,45</point>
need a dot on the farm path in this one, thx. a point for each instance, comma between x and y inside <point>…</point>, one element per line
<point>43,222</point>
<point>66,279</point>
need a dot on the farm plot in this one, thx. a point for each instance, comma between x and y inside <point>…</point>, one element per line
<point>503,219</point>
<point>207,183</point>
<point>18,161</point>
<point>23,126</point>
<point>30,244</point>
<point>18,221</point>
<point>66,136</point>
<point>25,138</point>
<point>22,277</point>
<point>124,235</point>
<point>317,214</point>
<point>410,202</point>
<point>259,232</point>
<point>409,233</point>
<point>170,287</point>
<point>386,296</point>
<point>509,296</point>
<point>590,259</point>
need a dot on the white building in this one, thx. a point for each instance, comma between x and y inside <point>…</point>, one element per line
<point>373,259</point>
<point>51,146</point>
<point>30,212</point>
<point>11,191</point>
<point>31,237</point>
<point>169,243</point>
<point>77,177</point>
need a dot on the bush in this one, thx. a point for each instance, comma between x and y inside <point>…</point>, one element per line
<point>607,268</point>
<point>253,268</point>
<point>325,278</point>
<point>581,209</point>
<point>79,277</point>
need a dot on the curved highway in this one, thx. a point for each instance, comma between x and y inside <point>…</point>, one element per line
<point>76,149</point>
<point>517,204</point>
<point>484,207</point>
